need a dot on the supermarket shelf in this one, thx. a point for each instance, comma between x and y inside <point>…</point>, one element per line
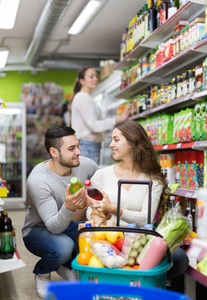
<point>198,276</point>
<point>162,74</point>
<point>11,264</point>
<point>185,193</point>
<point>196,145</point>
<point>189,11</point>
<point>176,104</point>
<point>187,145</point>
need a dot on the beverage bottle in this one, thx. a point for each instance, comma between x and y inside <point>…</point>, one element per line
<point>6,236</point>
<point>92,191</point>
<point>163,11</point>
<point>84,240</point>
<point>158,13</point>
<point>76,185</point>
<point>152,16</point>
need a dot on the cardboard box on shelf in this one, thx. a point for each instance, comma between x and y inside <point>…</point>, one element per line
<point>107,68</point>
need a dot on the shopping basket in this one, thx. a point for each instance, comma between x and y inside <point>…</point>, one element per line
<point>102,291</point>
<point>155,277</point>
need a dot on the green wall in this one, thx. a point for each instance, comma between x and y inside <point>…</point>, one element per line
<point>10,86</point>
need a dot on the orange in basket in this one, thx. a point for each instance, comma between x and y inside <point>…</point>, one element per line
<point>83,258</point>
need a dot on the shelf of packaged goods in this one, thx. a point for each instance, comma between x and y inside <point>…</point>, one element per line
<point>185,193</point>
<point>189,11</point>
<point>176,104</point>
<point>197,275</point>
<point>188,58</point>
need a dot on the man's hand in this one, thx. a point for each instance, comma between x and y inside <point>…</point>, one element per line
<point>73,202</point>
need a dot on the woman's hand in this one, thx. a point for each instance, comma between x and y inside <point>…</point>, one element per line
<point>107,205</point>
<point>123,116</point>
<point>75,201</point>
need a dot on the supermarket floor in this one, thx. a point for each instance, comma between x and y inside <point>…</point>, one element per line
<point>19,284</point>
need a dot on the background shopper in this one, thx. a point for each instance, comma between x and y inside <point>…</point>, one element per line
<point>49,230</point>
<point>86,115</point>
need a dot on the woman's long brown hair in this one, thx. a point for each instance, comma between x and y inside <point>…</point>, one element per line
<point>143,154</point>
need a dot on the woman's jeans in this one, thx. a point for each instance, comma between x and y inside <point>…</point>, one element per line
<point>54,249</point>
<point>90,149</point>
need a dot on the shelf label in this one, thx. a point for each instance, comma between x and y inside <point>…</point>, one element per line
<point>189,194</point>
<point>179,145</point>
<point>165,147</point>
<point>174,187</point>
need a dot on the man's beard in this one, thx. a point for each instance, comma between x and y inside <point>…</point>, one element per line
<point>67,164</point>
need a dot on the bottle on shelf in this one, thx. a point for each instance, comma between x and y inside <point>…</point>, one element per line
<point>158,13</point>
<point>172,8</point>
<point>6,236</point>
<point>163,11</point>
<point>152,16</point>
<point>76,185</point>
<point>92,191</point>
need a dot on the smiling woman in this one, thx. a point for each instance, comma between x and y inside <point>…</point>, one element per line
<point>88,122</point>
<point>135,160</point>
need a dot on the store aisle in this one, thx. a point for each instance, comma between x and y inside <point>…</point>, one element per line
<point>19,284</point>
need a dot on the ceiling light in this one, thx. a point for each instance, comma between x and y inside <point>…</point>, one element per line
<point>4,52</point>
<point>8,12</point>
<point>86,16</point>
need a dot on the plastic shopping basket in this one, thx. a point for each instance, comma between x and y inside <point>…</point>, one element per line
<point>102,291</point>
<point>155,277</point>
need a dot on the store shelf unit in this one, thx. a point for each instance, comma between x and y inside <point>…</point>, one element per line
<point>13,153</point>
<point>189,11</point>
<point>188,58</point>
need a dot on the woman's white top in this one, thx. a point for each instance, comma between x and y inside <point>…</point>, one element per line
<point>134,201</point>
<point>87,120</point>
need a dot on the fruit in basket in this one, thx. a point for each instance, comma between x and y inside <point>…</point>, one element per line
<point>113,236</point>
<point>119,244</point>
<point>95,262</point>
<point>83,258</point>
<point>100,235</point>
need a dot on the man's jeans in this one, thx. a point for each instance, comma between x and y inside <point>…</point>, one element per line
<point>90,149</point>
<point>54,249</point>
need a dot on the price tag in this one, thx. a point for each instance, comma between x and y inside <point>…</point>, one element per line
<point>188,194</point>
<point>179,145</point>
<point>165,147</point>
<point>174,187</point>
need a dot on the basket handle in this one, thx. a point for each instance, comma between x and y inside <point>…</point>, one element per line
<point>145,182</point>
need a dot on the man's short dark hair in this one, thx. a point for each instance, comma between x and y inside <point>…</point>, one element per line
<point>54,134</point>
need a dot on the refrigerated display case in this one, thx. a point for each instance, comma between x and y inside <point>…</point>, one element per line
<point>13,153</point>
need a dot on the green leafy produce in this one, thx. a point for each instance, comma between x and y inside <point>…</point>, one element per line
<point>174,228</point>
<point>202,265</point>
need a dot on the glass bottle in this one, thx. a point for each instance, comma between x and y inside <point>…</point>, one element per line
<point>163,11</point>
<point>158,13</point>
<point>152,16</point>
<point>92,191</point>
<point>6,236</point>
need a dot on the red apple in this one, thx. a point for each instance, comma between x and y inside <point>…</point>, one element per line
<point>119,244</point>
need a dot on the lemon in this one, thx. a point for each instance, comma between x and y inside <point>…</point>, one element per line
<point>95,262</point>
<point>100,235</point>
